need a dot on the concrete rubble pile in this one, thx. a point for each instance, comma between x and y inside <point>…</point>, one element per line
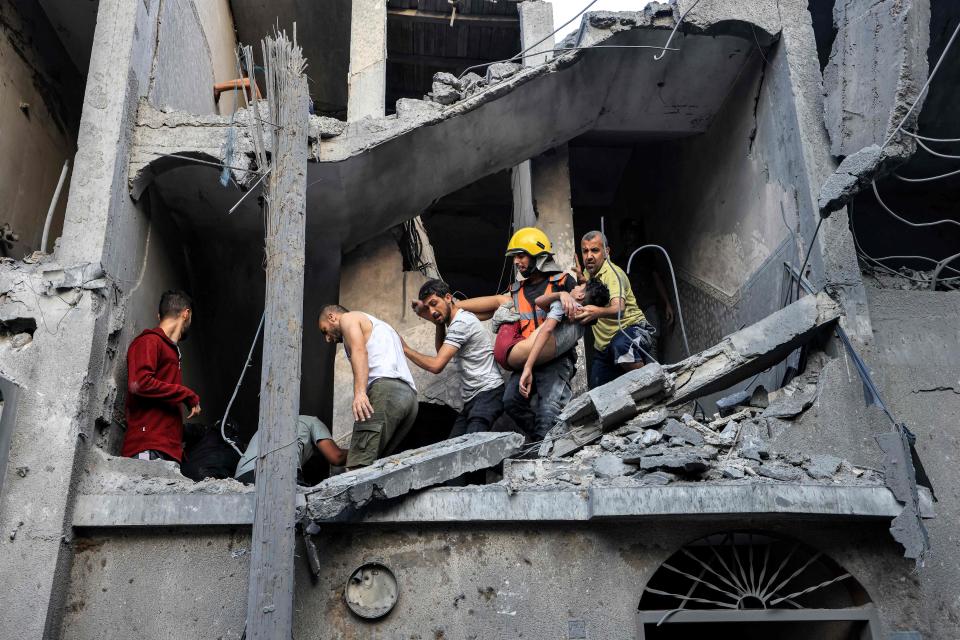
<point>667,444</point>
<point>647,433</point>
<point>646,394</point>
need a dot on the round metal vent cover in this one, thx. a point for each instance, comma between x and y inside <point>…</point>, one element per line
<point>371,591</point>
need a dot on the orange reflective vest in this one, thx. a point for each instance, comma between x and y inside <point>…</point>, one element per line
<point>532,316</point>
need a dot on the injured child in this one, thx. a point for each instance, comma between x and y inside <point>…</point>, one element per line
<point>557,335</point>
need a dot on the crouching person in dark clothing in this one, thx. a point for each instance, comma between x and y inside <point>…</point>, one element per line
<point>461,338</point>
<point>312,436</point>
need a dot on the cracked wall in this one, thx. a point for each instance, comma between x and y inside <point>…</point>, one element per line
<point>40,111</point>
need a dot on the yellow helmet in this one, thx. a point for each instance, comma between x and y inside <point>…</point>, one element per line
<point>529,240</point>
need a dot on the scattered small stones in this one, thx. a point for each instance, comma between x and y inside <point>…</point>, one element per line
<point>23,471</point>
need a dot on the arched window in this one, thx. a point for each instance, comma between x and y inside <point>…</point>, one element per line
<point>747,585</point>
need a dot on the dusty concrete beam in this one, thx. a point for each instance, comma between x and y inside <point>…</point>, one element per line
<point>165,510</point>
<point>753,349</point>
<point>877,66</point>
<point>496,503</point>
<point>405,472</point>
<point>588,416</point>
<point>160,135</point>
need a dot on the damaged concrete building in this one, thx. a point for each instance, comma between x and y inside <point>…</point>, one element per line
<point>787,468</point>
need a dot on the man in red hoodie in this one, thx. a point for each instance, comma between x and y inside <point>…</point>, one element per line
<point>155,387</point>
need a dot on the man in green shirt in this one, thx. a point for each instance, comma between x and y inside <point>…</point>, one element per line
<point>312,435</point>
<point>621,336</point>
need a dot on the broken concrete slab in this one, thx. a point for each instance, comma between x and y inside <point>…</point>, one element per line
<point>792,401</point>
<point>752,349</point>
<point>415,469</point>
<point>823,466</point>
<point>587,417</point>
<point>676,429</point>
<point>611,466</point>
<point>781,471</point>
<point>876,69</point>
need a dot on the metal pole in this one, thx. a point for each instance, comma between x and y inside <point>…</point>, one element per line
<point>270,596</point>
<point>53,205</point>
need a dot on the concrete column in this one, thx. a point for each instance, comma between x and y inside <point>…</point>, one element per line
<point>367,77</point>
<point>536,21</point>
<point>541,186</point>
<point>550,174</point>
<point>63,372</point>
<point>123,51</point>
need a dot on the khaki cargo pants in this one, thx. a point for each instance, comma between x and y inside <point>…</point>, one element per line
<point>394,412</point>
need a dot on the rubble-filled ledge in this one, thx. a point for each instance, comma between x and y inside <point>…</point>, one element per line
<point>499,503</point>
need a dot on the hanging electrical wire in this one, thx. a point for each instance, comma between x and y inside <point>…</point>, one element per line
<point>663,52</point>
<point>935,153</point>
<point>926,84</point>
<point>883,204</point>
<point>927,179</point>
<point>928,139</point>
<point>533,46</point>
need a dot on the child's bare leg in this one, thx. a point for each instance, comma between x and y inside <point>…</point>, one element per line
<point>520,351</point>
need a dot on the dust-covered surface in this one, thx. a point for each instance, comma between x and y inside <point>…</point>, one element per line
<point>104,474</point>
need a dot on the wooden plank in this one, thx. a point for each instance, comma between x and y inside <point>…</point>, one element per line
<point>440,62</point>
<point>464,19</point>
<point>270,595</point>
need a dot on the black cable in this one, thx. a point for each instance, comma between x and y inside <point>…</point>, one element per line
<point>813,242</point>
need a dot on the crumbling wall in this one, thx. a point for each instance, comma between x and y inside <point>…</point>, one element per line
<point>158,584</point>
<point>456,581</point>
<point>182,75</point>
<point>216,18</point>
<point>39,112</point>
<point>733,205</point>
<point>915,358</point>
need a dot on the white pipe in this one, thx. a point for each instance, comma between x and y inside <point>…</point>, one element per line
<point>53,206</point>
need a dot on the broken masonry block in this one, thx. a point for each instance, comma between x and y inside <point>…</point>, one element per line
<point>675,429</point>
<point>399,474</point>
<point>501,71</point>
<point>680,462</point>
<point>444,94</point>
<point>789,405</point>
<point>754,449</point>
<point>442,77</point>
<point>650,437</point>
<point>587,417</point>
<point>657,479</point>
<point>823,466</point>
<point>611,466</point>
<point>647,419</point>
<point>780,471</point>
<point>752,349</point>
<point>729,404</point>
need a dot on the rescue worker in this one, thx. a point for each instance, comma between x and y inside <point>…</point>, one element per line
<point>518,317</point>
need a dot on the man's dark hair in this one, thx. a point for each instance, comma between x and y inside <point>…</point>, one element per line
<point>332,308</point>
<point>596,293</point>
<point>173,302</point>
<point>433,287</point>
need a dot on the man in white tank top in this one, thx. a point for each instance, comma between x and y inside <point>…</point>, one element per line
<point>384,395</point>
